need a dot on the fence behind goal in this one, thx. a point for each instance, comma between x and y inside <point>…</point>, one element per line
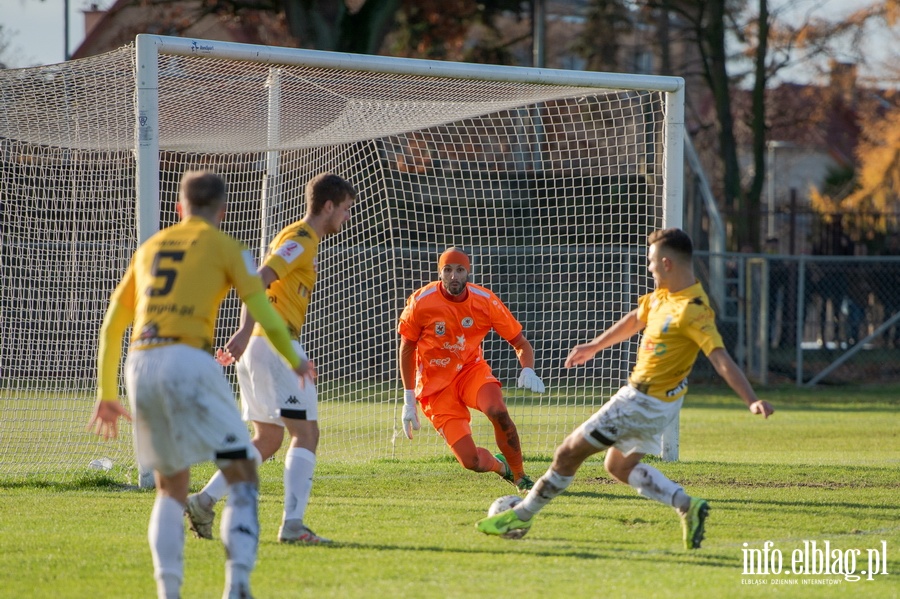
<point>550,179</point>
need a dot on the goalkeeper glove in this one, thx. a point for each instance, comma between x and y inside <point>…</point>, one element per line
<point>530,380</point>
<point>410,419</point>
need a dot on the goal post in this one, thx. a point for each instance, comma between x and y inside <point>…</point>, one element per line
<point>550,179</point>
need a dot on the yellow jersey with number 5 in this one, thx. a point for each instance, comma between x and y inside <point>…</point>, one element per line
<point>178,278</point>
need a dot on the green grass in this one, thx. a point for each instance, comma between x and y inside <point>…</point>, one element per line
<point>825,467</point>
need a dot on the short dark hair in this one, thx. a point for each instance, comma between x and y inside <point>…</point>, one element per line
<point>674,240</point>
<point>202,189</point>
<point>327,187</point>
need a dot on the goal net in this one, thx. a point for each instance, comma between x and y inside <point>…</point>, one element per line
<point>551,180</point>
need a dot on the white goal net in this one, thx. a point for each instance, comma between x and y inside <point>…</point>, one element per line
<point>550,179</point>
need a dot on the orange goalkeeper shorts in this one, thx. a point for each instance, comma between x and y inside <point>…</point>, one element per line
<point>448,410</point>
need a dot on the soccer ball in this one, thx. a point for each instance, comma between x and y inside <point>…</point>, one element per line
<point>501,504</point>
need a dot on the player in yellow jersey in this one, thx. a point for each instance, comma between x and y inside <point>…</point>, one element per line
<point>271,398</point>
<point>184,411</point>
<point>677,322</point>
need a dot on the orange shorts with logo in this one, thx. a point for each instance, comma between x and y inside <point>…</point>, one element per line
<point>448,410</point>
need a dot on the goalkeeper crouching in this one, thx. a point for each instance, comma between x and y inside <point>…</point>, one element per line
<point>443,369</point>
<point>677,322</point>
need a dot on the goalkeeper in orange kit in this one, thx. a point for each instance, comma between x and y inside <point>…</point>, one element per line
<point>442,366</point>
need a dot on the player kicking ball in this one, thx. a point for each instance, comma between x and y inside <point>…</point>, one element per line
<point>677,322</point>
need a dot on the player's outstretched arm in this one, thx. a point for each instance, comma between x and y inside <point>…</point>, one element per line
<point>238,342</point>
<point>105,416</point>
<point>734,376</point>
<point>627,326</point>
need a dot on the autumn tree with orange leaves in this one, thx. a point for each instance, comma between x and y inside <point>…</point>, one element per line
<point>870,198</point>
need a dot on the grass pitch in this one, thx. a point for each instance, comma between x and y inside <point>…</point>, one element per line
<point>823,474</point>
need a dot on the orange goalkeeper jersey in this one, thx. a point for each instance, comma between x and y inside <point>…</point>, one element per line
<point>448,334</point>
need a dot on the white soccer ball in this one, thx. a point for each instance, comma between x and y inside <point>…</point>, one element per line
<point>501,504</point>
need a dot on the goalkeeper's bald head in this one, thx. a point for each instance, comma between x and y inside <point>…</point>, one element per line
<point>454,255</point>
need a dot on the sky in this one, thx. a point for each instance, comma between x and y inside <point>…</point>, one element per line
<point>35,28</point>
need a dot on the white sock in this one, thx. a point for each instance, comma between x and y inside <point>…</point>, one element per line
<point>681,501</point>
<point>237,582</point>
<point>653,484</point>
<point>240,530</point>
<point>545,489</point>
<point>166,536</point>
<point>298,471</point>
<point>168,587</point>
<point>217,487</point>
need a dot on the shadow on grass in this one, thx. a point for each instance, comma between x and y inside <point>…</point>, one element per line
<point>99,482</point>
<point>636,552</point>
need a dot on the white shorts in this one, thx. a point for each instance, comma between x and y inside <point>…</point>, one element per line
<point>630,421</point>
<point>183,407</point>
<point>269,387</point>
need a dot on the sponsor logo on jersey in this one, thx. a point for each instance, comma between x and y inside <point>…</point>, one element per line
<point>665,327</point>
<point>467,322</point>
<point>681,387</point>
<point>442,362</point>
<point>457,347</point>
<point>440,328</point>
<point>289,251</point>
<point>658,349</point>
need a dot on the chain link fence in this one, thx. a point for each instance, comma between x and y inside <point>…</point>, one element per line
<point>806,319</point>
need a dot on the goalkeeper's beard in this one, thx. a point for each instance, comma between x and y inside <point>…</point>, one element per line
<point>455,287</point>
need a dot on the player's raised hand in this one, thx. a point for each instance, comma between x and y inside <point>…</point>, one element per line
<point>530,380</point>
<point>410,418</point>
<point>104,421</point>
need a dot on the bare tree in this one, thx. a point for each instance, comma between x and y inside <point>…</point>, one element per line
<point>7,51</point>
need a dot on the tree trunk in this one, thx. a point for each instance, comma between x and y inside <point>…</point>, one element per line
<point>713,38</point>
<point>759,129</point>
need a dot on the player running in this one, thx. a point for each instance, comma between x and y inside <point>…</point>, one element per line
<point>677,321</point>
<point>271,398</point>
<point>442,366</point>
<point>184,411</point>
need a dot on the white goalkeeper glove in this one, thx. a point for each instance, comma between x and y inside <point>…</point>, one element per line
<point>530,380</point>
<point>410,420</point>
